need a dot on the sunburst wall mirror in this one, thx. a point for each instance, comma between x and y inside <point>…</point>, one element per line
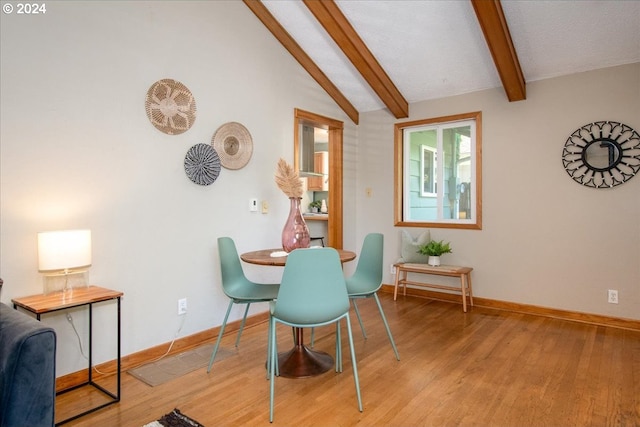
<point>602,154</point>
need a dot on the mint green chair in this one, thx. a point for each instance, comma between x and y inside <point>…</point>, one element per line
<point>367,280</point>
<point>312,293</point>
<point>238,288</point>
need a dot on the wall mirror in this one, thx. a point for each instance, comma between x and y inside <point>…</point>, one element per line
<point>317,155</point>
<point>602,154</point>
<point>438,172</point>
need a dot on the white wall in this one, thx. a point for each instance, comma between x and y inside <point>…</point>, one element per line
<point>546,240</point>
<point>77,151</point>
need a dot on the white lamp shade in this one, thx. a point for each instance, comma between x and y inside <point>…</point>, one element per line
<point>64,250</point>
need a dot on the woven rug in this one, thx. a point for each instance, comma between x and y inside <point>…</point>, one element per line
<point>174,419</point>
<point>167,369</point>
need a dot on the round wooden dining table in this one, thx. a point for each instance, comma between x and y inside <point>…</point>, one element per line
<point>300,361</point>
<point>263,257</point>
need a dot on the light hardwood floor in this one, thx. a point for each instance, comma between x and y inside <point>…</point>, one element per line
<point>481,368</point>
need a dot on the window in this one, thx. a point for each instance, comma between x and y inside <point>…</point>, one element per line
<point>428,171</point>
<point>438,177</point>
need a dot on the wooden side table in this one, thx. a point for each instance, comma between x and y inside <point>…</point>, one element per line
<point>464,273</point>
<point>49,303</point>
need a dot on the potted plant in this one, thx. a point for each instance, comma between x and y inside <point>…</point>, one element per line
<point>434,249</point>
<point>315,206</point>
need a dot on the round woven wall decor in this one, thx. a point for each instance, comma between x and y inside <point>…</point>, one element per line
<point>234,145</point>
<point>170,106</point>
<point>202,164</point>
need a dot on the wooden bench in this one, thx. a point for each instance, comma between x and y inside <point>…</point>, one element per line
<point>464,273</point>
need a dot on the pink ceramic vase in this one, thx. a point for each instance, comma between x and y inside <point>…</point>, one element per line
<point>295,233</point>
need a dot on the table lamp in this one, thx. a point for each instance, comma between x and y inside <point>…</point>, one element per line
<point>64,257</point>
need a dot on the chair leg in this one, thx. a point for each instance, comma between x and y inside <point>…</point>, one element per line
<point>338,348</point>
<point>386,325</point>
<point>215,348</point>
<point>273,357</point>
<point>244,319</point>
<point>269,367</point>
<point>269,362</point>
<point>355,306</point>
<point>353,363</point>
<point>313,337</point>
<point>275,351</point>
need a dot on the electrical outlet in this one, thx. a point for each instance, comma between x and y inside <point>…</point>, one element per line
<point>392,269</point>
<point>182,306</point>
<point>265,207</point>
<point>612,296</point>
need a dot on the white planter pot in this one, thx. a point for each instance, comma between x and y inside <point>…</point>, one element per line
<point>434,261</point>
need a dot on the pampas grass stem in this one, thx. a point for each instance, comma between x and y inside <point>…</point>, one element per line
<point>288,180</point>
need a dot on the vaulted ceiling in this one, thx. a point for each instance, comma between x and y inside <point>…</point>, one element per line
<point>375,54</point>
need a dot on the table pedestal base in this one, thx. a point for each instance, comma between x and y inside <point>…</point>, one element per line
<point>301,362</point>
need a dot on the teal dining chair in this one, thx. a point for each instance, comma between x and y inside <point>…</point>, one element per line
<point>312,293</point>
<point>238,288</point>
<point>367,280</point>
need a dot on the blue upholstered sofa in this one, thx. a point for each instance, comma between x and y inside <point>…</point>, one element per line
<point>27,370</point>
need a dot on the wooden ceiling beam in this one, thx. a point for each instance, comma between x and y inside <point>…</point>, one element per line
<point>342,32</point>
<point>496,33</point>
<point>301,56</point>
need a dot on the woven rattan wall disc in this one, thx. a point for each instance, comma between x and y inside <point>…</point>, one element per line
<point>170,106</point>
<point>234,145</point>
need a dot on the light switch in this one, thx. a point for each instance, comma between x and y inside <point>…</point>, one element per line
<point>265,207</point>
<point>253,205</point>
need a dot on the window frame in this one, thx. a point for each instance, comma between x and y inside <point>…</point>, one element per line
<point>433,165</point>
<point>400,179</point>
